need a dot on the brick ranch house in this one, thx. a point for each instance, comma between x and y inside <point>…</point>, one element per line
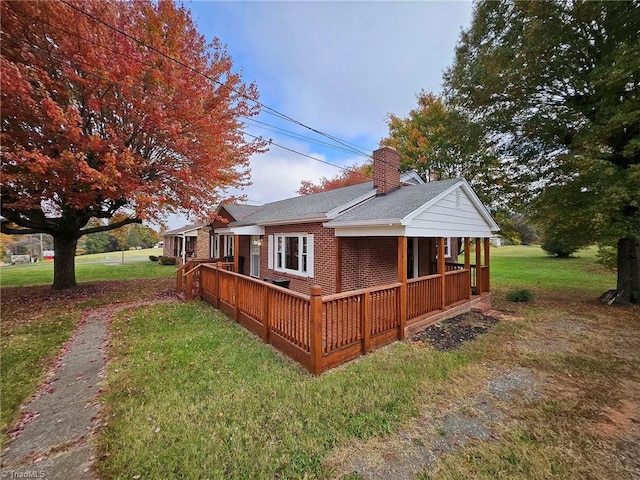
<point>361,263</point>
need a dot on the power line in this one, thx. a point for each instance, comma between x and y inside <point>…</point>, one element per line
<point>197,72</point>
<point>40,51</point>
<point>274,128</point>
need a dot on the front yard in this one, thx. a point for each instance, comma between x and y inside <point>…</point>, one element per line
<point>550,391</point>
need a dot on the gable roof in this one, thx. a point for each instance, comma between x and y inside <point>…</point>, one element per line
<point>240,211</point>
<point>394,206</point>
<point>181,230</point>
<point>313,207</point>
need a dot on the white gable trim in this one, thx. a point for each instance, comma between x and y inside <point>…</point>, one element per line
<point>462,184</point>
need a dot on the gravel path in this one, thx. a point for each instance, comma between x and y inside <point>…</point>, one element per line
<point>52,439</point>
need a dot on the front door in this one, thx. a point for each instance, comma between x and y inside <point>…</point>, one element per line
<point>255,256</point>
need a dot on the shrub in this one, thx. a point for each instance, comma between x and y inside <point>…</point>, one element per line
<point>167,260</point>
<point>559,248</point>
<point>521,295</point>
<point>153,258</point>
<point>608,256</point>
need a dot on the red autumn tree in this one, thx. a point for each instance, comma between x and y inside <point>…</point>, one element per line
<point>114,108</point>
<point>350,176</point>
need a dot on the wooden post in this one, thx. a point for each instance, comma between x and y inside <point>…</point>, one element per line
<point>338,265</point>
<point>236,253</point>
<point>487,255</point>
<point>219,267</point>
<point>236,296</point>
<point>442,271</point>
<point>199,272</point>
<point>402,278</point>
<point>188,287</point>
<point>315,324</point>
<point>467,262</point>
<point>265,314</point>
<point>179,280</point>
<point>479,265</point>
<point>366,322</point>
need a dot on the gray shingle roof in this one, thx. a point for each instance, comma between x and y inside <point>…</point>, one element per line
<point>239,211</point>
<point>395,205</point>
<point>178,231</point>
<point>305,207</point>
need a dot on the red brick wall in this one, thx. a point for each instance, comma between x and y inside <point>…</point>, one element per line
<point>369,261</point>
<point>324,257</point>
<point>386,169</point>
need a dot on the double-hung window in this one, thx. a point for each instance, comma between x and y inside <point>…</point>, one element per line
<point>291,253</point>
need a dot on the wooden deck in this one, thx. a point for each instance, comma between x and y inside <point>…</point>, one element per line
<point>323,331</point>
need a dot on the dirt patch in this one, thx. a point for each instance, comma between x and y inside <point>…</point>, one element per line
<point>453,332</point>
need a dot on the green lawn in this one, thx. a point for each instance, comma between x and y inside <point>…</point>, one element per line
<point>527,266</point>
<point>90,268</point>
<point>191,394</point>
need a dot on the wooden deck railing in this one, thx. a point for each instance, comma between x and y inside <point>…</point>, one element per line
<point>321,332</point>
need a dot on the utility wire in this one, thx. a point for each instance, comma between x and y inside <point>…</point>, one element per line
<point>40,51</point>
<point>197,72</point>
<point>273,128</point>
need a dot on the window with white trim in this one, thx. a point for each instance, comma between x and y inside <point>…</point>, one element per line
<point>228,245</point>
<point>292,253</point>
<point>215,246</point>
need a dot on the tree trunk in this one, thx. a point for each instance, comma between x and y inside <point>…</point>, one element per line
<point>628,286</point>
<point>64,262</point>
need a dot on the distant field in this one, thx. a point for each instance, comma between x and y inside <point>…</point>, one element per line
<point>89,268</point>
<point>528,266</point>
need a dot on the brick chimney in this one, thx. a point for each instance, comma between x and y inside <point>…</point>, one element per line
<point>386,170</point>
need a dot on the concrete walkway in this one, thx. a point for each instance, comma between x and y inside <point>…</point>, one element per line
<point>54,441</point>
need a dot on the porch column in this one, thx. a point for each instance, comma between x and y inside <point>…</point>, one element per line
<point>442,271</point>
<point>236,253</point>
<point>467,261</point>
<point>479,265</point>
<point>338,265</point>
<point>487,255</point>
<point>402,278</point>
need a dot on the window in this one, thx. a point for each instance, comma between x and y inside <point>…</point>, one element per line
<point>228,245</point>
<point>215,246</point>
<point>291,253</point>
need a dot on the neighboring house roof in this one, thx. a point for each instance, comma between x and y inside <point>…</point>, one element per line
<point>181,230</point>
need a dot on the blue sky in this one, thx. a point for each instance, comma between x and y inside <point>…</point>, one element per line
<point>339,67</point>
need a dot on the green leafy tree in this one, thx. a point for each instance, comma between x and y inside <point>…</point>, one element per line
<point>556,85</point>
<point>440,142</point>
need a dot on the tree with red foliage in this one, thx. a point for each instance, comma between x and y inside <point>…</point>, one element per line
<point>114,108</point>
<point>349,176</point>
